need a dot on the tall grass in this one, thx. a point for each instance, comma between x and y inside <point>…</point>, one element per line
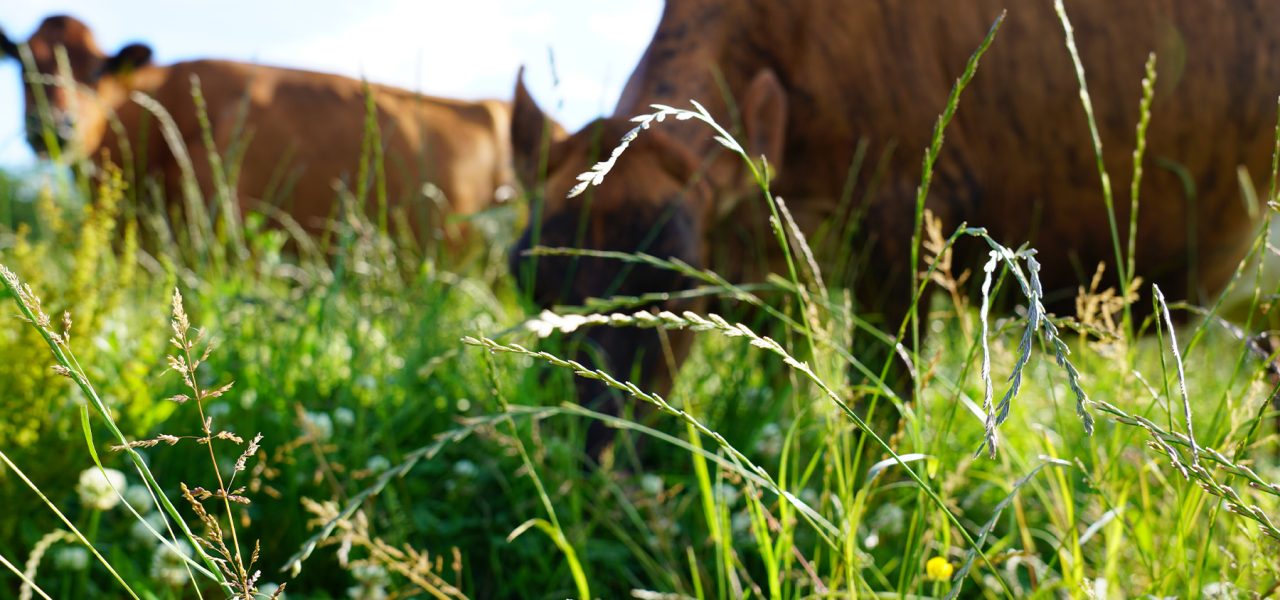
<point>413,436</point>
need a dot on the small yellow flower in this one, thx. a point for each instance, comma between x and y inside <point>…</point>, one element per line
<point>938,569</point>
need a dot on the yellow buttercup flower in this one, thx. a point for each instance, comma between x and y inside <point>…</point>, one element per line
<point>938,569</point>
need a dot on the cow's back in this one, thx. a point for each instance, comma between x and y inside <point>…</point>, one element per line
<point>301,136</point>
<point>462,147</point>
<point>1018,158</point>
<point>1027,157</point>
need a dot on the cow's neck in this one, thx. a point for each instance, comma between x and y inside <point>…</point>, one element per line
<point>707,51</point>
<point>703,49</point>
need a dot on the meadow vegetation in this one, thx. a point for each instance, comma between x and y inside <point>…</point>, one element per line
<point>362,415</point>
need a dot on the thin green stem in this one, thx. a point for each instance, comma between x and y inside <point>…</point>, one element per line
<point>65,521</point>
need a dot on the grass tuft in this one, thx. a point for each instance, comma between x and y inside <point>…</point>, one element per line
<point>406,458</point>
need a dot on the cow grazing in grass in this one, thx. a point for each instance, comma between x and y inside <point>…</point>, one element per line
<point>299,133</point>
<point>803,83</point>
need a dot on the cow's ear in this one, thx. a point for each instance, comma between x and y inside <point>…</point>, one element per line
<point>532,133</point>
<point>8,49</point>
<point>129,58</point>
<point>764,117</point>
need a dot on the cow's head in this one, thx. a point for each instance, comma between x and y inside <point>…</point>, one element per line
<point>72,114</point>
<point>659,198</point>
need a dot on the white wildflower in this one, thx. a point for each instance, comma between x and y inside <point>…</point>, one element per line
<point>465,468</point>
<point>317,424</point>
<point>1219,591</point>
<point>370,574</point>
<point>168,564</point>
<point>651,484</point>
<point>344,417</point>
<point>71,558</point>
<point>367,592</point>
<point>248,398</point>
<point>139,497</point>
<point>139,532</point>
<point>95,488</point>
<point>377,463</point>
<point>1101,586</point>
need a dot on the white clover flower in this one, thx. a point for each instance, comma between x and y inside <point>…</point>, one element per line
<point>367,592</point>
<point>377,463</point>
<point>651,484</point>
<point>1220,590</point>
<point>740,523</point>
<point>344,417</point>
<point>71,558</point>
<point>369,574</point>
<point>463,405</point>
<point>139,532</point>
<point>375,338</point>
<point>95,488</point>
<point>139,497</point>
<point>465,468</point>
<point>1101,587</point>
<point>168,565</point>
<point>339,348</point>
<point>318,424</point>
<point>248,398</point>
<point>873,540</point>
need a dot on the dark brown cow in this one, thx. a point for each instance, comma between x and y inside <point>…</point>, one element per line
<point>807,80</point>
<point>304,129</point>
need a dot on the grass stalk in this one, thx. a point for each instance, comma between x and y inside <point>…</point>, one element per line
<point>551,526</point>
<point>1105,179</point>
<point>65,521</point>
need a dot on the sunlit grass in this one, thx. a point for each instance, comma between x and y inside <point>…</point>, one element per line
<point>420,437</point>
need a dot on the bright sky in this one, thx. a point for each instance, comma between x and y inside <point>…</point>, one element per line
<point>464,49</point>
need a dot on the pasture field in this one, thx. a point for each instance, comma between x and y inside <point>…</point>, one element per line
<point>419,435</point>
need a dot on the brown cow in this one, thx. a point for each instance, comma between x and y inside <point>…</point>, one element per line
<point>304,129</point>
<point>807,80</point>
